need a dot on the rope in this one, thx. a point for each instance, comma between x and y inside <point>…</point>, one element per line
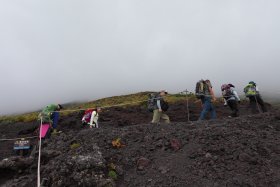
<point>74,110</point>
<point>9,139</point>
<point>39,157</point>
<point>222,95</point>
<point>135,102</point>
<point>110,106</point>
<point>276,92</point>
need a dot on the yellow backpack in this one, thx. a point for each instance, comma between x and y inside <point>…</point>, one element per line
<point>250,90</point>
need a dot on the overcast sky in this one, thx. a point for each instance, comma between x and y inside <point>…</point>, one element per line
<point>60,51</point>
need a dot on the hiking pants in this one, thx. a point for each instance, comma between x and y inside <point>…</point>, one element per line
<point>160,115</point>
<point>55,117</point>
<point>257,100</point>
<point>234,107</point>
<point>207,107</point>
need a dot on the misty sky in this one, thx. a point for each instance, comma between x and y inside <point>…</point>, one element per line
<point>69,50</point>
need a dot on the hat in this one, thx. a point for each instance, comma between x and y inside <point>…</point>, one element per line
<point>60,106</point>
<point>231,85</point>
<point>252,82</point>
<point>165,91</point>
<point>224,87</point>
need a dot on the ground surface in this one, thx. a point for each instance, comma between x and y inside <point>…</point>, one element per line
<point>243,151</point>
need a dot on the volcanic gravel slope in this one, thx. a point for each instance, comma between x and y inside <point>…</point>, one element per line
<point>243,151</point>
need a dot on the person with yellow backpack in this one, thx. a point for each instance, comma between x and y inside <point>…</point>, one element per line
<point>252,92</point>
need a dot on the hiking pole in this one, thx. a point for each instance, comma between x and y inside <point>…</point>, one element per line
<point>188,111</point>
<point>259,109</point>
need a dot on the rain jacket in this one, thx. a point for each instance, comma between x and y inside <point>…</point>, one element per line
<point>47,113</point>
<point>251,90</point>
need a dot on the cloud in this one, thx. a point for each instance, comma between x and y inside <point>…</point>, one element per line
<point>71,50</point>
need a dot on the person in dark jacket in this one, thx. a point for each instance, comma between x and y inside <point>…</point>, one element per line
<point>159,112</point>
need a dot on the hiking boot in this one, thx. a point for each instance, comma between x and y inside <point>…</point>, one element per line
<point>44,182</point>
<point>55,132</point>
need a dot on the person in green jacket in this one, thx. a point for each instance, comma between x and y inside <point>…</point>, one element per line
<point>50,115</point>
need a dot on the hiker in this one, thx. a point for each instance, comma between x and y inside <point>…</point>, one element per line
<point>160,106</point>
<point>231,98</point>
<point>50,115</point>
<point>252,92</point>
<point>233,87</point>
<point>91,117</point>
<point>205,93</point>
<point>225,101</point>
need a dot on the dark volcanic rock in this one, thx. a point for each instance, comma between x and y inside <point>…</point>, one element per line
<point>143,163</point>
<point>175,144</point>
<point>243,151</point>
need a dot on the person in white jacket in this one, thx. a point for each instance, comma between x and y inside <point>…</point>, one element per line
<point>94,118</point>
<point>231,98</point>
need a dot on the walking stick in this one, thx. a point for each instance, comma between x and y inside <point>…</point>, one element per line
<point>258,106</point>
<point>188,110</point>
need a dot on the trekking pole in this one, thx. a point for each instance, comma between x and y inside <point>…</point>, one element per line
<point>188,111</point>
<point>258,106</point>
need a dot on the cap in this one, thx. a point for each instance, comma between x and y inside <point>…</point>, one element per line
<point>252,82</point>
<point>60,106</point>
<point>231,85</point>
<point>165,91</point>
<point>224,87</point>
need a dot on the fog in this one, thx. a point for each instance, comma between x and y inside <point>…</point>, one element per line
<point>63,51</point>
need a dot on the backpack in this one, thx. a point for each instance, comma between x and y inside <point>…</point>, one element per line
<point>250,90</point>
<point>87,115</point>
<point>152,102</point>
<point>164,105</point>
<point>200,89</point>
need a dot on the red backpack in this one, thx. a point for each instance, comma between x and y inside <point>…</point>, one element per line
<point>87,115</point>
